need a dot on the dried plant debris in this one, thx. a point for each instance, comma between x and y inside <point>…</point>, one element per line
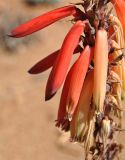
<point>91,106</point>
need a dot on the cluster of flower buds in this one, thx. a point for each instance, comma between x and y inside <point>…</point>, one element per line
<point>91,105</point>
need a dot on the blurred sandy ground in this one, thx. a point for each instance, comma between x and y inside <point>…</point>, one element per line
<point>27,127</point>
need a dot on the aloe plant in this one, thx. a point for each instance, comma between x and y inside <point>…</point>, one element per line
<point>91,101</point>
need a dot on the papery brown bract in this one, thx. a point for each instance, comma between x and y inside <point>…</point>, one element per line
<point>62,62</point>
<point>117,52</point>
<point>120,67</point>
<point>118,30</point>
<point>42,21</point>
<point>120,10</point>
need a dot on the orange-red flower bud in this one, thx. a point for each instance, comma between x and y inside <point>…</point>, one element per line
<point>80,69</point>
<point>100,69</point>
<point>61,65</point>
<point>42,21</point>
<point>48,61</point>
<point>62,120</point>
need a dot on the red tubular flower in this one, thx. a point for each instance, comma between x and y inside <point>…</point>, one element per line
<point>62,120</point>
<point>80,120</point>
<point>80,69</point>
<point>44,64</point>
<point>72,87</point>
<point>62,62</point>
<point>48,61</point>
<point>43,21</point>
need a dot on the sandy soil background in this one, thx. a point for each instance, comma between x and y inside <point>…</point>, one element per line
<point>27,127</point>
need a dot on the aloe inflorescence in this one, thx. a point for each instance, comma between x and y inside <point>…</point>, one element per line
<point>91,103</point>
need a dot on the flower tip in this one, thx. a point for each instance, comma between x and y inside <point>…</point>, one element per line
<point>9,34</point>
<point>31,71</point>
<point>49,96</point>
